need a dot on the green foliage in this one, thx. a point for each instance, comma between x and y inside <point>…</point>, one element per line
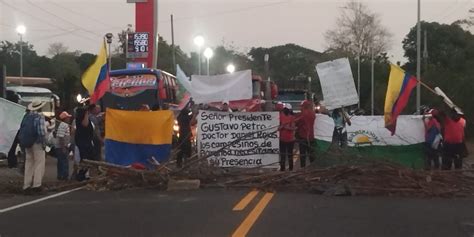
<point>286,62</point>
<point>450,64</point>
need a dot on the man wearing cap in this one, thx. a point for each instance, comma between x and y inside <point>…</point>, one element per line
<point>225,106</point>
<point>287,137</point>
<point>35,155</point>
<point>62,139</point>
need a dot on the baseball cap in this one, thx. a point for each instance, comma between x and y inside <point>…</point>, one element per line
<point>65,115</point>
<point>279,106</point>
<point>305,103</point>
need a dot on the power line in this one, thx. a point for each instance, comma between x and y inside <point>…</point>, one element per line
<point>66,20</point>
<point>29,29</point>
<point>88,17</point>
<point>220,13</point>
<point>41,19</point>
<point>56,35</point>
<point>455,10</point>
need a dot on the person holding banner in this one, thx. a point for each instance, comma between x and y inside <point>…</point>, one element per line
<point>287,137</point>
<point>305,132</point>
<point>341,118</point>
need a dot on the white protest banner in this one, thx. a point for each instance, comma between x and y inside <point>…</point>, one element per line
<point>337,83</point>
<point>232,86</point>
<point>219,129</point>
<point>370,130</point>
<point>11,115</point>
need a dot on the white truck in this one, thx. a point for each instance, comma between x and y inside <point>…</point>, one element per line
<point>24,95</point>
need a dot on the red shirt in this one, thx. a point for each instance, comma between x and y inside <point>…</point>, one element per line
<point>287,135</point>
<point>454,131</point>
<point>305,124</point>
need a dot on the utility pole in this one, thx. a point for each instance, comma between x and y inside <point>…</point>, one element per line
<point>172,45</point>
<point>3,82</point>
<point>425,52</point>
<point>372,82</point>
<point>358,77</point>
<point>268,89</point>
<point>418,60</point>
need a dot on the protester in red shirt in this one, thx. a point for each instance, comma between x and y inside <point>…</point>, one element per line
<point>287,137</point>
<point>305,132</point>
<point>433,139</point>
<point>454,148</point>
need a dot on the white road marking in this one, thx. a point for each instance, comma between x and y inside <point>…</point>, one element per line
<point>38,200</point>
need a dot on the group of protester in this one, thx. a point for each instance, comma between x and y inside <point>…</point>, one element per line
<point>445,138</point>
<point>296,129</point>
<point>64,137</point>
<point>80,137</point>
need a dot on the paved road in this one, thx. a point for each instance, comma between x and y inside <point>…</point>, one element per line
<point>210,213</point>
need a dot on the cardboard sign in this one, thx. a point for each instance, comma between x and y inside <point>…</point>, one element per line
<point>257,135</point>
<point>337,83</point>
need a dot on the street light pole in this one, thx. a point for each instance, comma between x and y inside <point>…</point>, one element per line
<point>199,42</point>
<point>199,66</point>
<point>109,42</point>
<point>21,59</point>
<point>21,30</point>
<point>208,53</point>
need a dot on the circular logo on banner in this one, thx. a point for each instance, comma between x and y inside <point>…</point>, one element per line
<point>363,137</point>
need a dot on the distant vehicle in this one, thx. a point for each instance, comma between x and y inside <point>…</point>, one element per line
<point>293,97</point>
<point>295,91</point>
<point>132,88</point>
<point>258,96</point>
<point>24,95</point>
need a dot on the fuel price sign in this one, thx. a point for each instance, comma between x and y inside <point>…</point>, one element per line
<point>137,45</point>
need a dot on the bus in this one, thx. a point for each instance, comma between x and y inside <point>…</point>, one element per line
<point>130,89</point>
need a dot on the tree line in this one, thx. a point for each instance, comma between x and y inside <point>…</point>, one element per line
<point>358,34</point>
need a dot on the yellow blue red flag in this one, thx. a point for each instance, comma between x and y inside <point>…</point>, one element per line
<point>136,136</point>
<point>400,86</point>
<point>96,78</point>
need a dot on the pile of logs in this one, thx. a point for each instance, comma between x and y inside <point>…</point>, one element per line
<point>375,179</point>
<point>371,179</point>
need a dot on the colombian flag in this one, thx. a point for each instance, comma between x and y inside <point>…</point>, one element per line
<point>96,78</point>
<point>399,88</point>
<point>136,136</point>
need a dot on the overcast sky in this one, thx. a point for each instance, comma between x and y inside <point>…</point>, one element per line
<point>80,24</point>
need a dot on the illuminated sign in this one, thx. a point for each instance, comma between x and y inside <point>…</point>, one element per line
<point>137,45</point>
